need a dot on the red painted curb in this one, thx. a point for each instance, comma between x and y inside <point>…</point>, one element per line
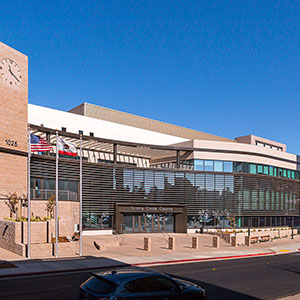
<point>202,259</point>
<point>138,264</point>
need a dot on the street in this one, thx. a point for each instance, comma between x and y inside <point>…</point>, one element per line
<point>268,277</point>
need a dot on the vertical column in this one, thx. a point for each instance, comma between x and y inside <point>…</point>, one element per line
<point>28,196</point>
<point>80,200</point>
<point>115,151</point>
<point>178,159</point>
<point>56,198</point>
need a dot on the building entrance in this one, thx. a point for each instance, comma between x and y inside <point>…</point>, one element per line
<point>150,217</point>
<point>139,223</point>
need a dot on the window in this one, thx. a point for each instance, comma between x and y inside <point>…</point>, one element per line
<point>271,171</point>
<point>209,165</point>
<point>284,173</point>
<point>259,169</point>
<point>266,170</point>
<point>161,284</point>
<point>198,165</point>
<point>64,129</point>
<point>98,285</point>
<point>227,166</point>
<point>218,167</point>
<point>91,134</point>
<point>143,285</point>
<point>253,168</point>
<point>237,167</point>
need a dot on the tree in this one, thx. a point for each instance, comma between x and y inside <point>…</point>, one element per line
<point>50,204</point>
<point>12,201</point>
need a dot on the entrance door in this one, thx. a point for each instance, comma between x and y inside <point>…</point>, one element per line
<point>139,223</point>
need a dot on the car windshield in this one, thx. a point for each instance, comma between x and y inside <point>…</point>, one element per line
<point>100,286</point>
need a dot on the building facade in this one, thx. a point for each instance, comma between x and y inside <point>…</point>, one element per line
<point>140,175</point>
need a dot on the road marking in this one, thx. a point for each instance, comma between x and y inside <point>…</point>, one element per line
<point>283,250</point>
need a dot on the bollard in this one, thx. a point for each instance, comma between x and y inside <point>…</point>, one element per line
<point>216,242</point>
<point>233,241</point>
<point>171,243</point>
<point>247,241</point>
<point>147,244</point>
<point>195,242</point>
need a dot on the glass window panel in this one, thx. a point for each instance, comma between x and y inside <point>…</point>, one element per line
<point>227,166</point>
<point>253,168</point>
<point>259,169</point>
<point>289,173</point>
<point>266,170</point>
<point>254,199</point>
<point>293,174</point>
<point>275,172</point>
<point>237,167</point>
<point>267,200</point>
<point>284,173</point>
<point>245,167</point>
<point>280,172</point>
<point>271,171</point>
<point>218,166</point>
<point>261,199</point>
<point>198,165</point>
<point>209,165</point>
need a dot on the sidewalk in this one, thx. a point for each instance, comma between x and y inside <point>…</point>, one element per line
<point>131,253</point>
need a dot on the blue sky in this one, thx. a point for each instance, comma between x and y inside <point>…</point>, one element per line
<point>229,68</point>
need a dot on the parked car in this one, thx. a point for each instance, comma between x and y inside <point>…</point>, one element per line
<point>137,283</point>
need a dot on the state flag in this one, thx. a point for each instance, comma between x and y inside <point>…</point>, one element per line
<point>66,148</point>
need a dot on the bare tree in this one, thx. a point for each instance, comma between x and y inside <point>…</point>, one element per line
<point>50,204</point>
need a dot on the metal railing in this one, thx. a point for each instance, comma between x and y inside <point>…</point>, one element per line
<point>63,195</point>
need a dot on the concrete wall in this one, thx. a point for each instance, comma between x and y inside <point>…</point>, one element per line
<point>53,118</point>
<point>252,154</point>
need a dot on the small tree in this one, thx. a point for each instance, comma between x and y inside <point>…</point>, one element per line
<point>12,201</point>
<point>50,204</point>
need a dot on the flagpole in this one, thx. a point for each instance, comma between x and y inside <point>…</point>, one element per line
<point>56,198</point>
<point>80,200</point>
<point>28,195</point>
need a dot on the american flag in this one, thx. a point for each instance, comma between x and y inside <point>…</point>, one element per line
<point>39,144</point>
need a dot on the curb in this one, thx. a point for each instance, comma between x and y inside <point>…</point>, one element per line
<point>137,265</point>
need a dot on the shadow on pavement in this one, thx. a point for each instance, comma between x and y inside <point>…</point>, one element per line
<point>214,292</point>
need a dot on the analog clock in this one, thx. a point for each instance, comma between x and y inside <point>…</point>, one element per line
<point>10,72</point>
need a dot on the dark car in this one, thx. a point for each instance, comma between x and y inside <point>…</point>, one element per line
<point>138,284</point>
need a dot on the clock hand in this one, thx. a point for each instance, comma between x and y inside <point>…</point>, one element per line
<point>13,73</point>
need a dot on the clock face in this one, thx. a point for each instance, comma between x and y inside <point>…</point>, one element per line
<point>10,72</point>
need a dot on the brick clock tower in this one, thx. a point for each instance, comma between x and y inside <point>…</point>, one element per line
<point>13,120</point>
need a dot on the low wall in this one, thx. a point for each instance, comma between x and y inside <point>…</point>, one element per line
<point>8,240</point>
<point>240,236</point>
<point>13,237</point>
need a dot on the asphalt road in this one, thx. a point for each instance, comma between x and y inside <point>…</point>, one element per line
<point>269,277</point>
